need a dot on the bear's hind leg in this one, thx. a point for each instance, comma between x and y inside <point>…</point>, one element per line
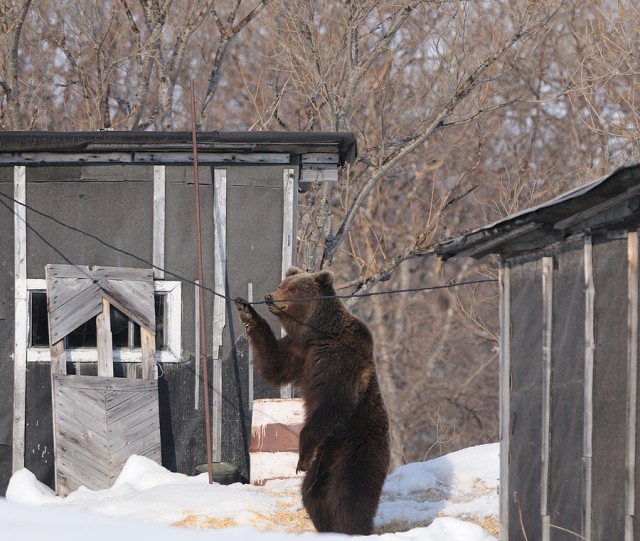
<point>315,497</point>
<point>355,486</point>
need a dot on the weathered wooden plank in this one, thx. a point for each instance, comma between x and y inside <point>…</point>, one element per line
<point>197,351</point>
<point>30,158</point>
<point>219,305</point>
<point>58,358</point>
<point>211,157</point>
<point>135,299</point>
<point>72,314</point>
<point>62,290</point>
<point>321,157</point>
<point>159,213</point>
<point>133,423</point>
<point>100,422</point>
<point>632,382</point>
<point>99,273</point>
<point>505,396</point>
<point>84,455</point>
<point>119,439</point>
<point>119,404</point>
<point>148,445</point>
<point>72,476</point>
<point>288,240</point>
<point>84,428</point>
<point>148,343</point>
<point>547,364</point>
<point>590,346</point>
<point>104,340</point>
<point>144,448</point>
<point>21,301</point>
<point>89,403</point>
<point>107,384</point>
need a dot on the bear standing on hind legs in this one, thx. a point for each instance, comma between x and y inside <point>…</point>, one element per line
<point>327,354</point>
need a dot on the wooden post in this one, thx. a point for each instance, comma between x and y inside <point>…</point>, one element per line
<point>505,395</point>
<point>590,347</point>
<point>58,358</point>
<point>21,310</point>
<point>104,340</point>
<point>632,383</point>
<point>288,240</point>
<point>547,361</point>
<point>148,343</point>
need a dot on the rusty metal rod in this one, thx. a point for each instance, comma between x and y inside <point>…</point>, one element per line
<point>203,334</point>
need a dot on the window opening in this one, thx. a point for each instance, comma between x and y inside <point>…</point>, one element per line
<point>125,333</point>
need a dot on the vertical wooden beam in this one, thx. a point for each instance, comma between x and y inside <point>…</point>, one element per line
<point>130,369</point>
<point>104,340</point>
<point>590,346</point>
<point>58,358</point>
<point>288,237</point>
<point>21,312</point>
<point>250,354</point>
<point>158,221</point>
<point>505,396</point>
<point>148,344</point>
<point>219,304</point>
<point>198,352</point>
<point>547,338</point>
<point>632,383</point>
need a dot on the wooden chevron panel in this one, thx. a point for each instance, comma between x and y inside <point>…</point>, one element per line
<point>75,294</point>
<point>100,422</point>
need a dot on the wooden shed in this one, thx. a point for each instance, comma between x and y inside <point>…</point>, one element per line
<point>125,200</point>
<point>568,361</point>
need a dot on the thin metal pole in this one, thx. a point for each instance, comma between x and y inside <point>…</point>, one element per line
<point>203,334</point>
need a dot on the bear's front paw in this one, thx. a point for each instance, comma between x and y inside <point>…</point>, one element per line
<point>246,313</point>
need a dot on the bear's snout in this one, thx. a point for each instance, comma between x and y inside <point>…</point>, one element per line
<point>268,297</point>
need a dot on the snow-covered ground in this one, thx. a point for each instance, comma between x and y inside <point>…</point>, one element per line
<point>445,499</point>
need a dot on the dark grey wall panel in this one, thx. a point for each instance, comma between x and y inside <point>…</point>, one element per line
<point>184,174</point>
<point>111,224</point>
<point>610,385</point>
<point>526,399</point>
<point>6,325</point>
<point>182,426</point>
<point>254,222</point>
<point>181,260</point>
<point>38,454</point>
<point>566,490</point>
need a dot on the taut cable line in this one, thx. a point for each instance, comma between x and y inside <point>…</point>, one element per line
<point>449,285</point>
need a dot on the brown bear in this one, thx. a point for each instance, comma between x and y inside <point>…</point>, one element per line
<point>327,354</point>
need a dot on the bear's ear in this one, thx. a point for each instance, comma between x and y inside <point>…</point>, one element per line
<point>292,271</point>
<point>325,278</point>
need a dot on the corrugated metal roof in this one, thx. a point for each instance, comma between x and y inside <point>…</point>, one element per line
<point>342,143</point>
<point>606,203</point>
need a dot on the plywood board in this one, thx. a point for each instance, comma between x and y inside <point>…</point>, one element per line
<point>100,422</point>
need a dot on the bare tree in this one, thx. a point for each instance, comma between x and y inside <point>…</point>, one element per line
<point>464,112</point>
<point>12,18</point>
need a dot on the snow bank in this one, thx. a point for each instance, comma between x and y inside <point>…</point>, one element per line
<point>438,500</point>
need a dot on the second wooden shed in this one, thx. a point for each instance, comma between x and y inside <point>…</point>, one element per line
<point>570,440</point>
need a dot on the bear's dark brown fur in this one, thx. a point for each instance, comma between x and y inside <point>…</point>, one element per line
<point>327,354</point>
